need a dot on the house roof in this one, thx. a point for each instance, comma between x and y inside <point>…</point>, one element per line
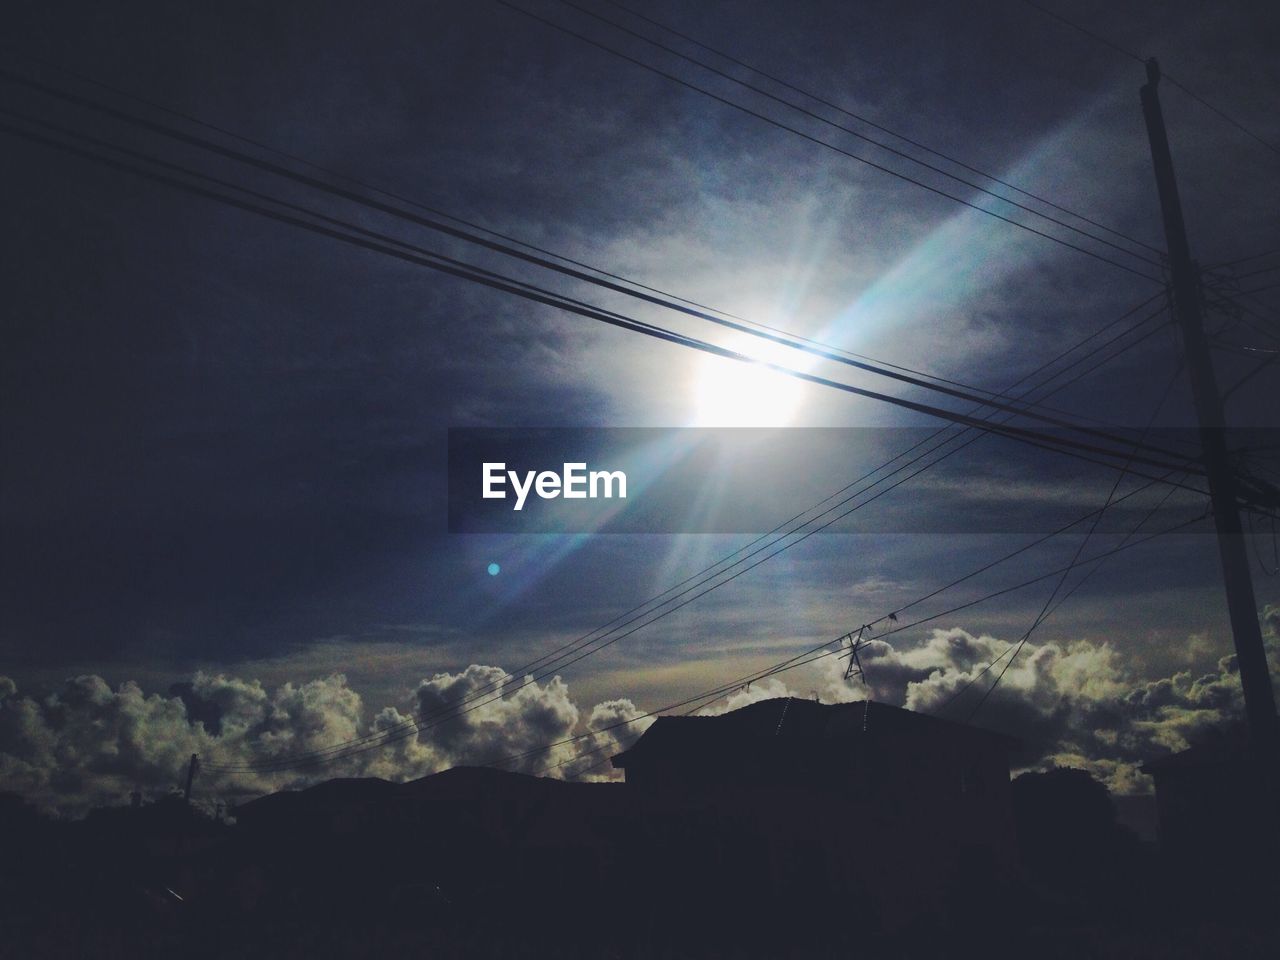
<point>797,721</point>
<point>339,791</point>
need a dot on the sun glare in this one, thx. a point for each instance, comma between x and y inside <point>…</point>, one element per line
<point>729,393</point>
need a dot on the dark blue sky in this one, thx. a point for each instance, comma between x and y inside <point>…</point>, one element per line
<point>224,437</point>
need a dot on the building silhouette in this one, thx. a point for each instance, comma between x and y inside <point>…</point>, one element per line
<point>1213,807</point>
<point>886,813</point>
<point>779,807</point>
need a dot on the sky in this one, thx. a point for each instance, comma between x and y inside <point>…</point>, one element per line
<point>223,487</point>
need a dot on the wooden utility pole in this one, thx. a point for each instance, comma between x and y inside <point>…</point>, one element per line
<point>1255,678</point>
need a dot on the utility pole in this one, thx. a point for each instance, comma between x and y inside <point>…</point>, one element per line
<point>191,775</point>
<point>1260,705</point>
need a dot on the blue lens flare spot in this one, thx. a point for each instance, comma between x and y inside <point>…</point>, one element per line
<point>494,569</point>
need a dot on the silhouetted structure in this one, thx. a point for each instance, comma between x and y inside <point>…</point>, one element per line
<point>781,808</point>
<point>870,748</point>
<point>1211,804</point>
<point>1078,858</point>
<point>787,828</point>
<point>341,805</point>
<point>889,814</point>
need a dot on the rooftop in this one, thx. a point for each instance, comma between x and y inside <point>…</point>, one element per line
<point>789,718</point>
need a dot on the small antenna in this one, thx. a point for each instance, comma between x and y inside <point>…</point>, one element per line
<point>192,766</point>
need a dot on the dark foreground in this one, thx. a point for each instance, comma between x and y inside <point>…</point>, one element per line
<point>165,880</point>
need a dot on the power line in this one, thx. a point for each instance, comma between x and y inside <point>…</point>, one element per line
<point>166,179</point>
<point>556,658</point>
<point>1098,38</point>
<point>1253,319</point>
<point>876,126</point>
<point>558,662</point>
<point>867,139</point>
<point>664,295</point>
<point>789,664</point>
<point>190,118</point>
<point>479,270</point>
<point>468,223</point>
<point>1026,583</point>
<point>821,651</point>
<point>804,658</point>
<point>707,583</point>
<point>577,647</point>
<point>823,143</point>
<point>467,705</point>
<point>442,213</point>
<point>1074,587</point>
<point>769,334</point>
<point>1222,114</point>
<point>354,181</point>
<point>1257,290</point>
<point>1255,273</point>
<point>434,261</point>
<point>1248,259</point>
<point>524,292</point>
<point>1046,610</point>
<point>1250,375</point>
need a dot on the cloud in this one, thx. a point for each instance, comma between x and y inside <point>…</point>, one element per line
<point>621,725</point>
<point>763,690</point>
<point>1077,704</point>
<point>1073,704</point>
<point>89,742</point>
<point>86,744</point>
<point>495,726</point>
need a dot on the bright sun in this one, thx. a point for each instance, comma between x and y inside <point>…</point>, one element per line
<point>729,393</point>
